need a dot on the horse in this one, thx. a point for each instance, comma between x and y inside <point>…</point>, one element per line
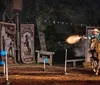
<point>95,61</point>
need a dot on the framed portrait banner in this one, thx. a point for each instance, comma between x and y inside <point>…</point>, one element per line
<point>7,38</point>
<point>89,34</point>
<point>27,43</point>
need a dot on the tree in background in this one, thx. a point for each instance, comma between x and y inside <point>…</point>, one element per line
<point>76,12</point>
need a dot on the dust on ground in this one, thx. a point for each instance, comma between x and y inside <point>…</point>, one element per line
<point>52,75</point>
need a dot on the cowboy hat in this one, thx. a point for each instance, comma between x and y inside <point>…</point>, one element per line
<point>95,30</point>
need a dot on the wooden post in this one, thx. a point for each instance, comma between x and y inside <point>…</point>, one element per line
<point>0,41</point>
<point>18,39</point>
<point>51,60</point>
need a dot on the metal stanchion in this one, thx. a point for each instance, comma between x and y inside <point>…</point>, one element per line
<point>45,61</point>
<point>4,69</point>
<point>6,66</point>
<point>44,64</point>
<point>2,63</point>
<point>65,61</point>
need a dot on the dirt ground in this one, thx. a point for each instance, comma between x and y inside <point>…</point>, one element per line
<point>35,75</point>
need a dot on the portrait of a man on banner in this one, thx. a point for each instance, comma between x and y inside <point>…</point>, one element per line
<point>8,41</point>
<point>27,43</point>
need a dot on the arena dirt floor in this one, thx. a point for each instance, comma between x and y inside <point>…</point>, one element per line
<point>35,75</point>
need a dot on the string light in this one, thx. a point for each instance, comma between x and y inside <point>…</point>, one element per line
<point>49,21</point>
<point>54,22</point>
<point>71,23</point>
<point>64,23</point>
<point>81,24</point>
<point>58,22</point>
<point>45,20</point>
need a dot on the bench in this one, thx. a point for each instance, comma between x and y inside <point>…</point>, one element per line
<point>41,54</point>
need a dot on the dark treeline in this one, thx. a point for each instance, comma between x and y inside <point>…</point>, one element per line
<point>71,11</point>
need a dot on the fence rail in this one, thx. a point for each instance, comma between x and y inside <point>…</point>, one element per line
<point>74,61</point>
